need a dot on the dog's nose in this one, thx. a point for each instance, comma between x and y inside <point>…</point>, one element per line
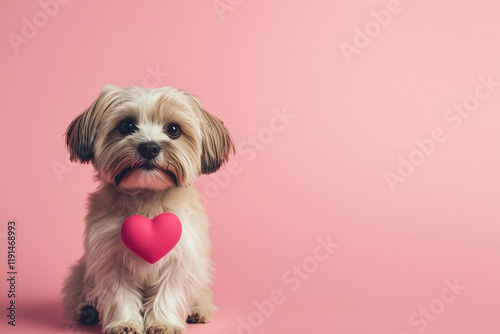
<point>149,150</point>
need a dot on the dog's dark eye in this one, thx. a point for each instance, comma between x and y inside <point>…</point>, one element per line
<point>173,130</point>
<point>127,127</point>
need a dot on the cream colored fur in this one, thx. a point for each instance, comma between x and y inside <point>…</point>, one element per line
<point>130,294</point>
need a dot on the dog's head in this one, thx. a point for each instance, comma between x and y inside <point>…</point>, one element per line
<point>140,138</point>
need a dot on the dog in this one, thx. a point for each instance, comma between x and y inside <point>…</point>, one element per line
<point>147,146</point>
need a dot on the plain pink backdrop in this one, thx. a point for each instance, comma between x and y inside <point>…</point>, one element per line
<point>319,173</point>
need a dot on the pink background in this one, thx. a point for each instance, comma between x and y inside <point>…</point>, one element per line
<point>319,174</point>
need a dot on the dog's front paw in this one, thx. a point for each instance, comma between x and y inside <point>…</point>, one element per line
<point>162,329</point>
<point>196,318</point>
<point>88,315</point>
<point>125,329</point>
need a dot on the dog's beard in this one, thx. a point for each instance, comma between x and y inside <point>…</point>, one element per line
<point>146,179</point>
<point>147,172</point>
<point>143,174</point>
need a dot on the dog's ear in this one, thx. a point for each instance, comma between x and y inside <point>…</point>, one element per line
<point>81,133</point>
<point>216,143</point>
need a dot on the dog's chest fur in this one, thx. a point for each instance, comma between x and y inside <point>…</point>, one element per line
<point>110,207</point>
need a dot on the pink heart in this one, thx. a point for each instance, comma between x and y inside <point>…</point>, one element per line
<point>151,239</point>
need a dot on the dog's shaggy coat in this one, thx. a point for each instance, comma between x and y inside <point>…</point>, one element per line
<point>131,295</point>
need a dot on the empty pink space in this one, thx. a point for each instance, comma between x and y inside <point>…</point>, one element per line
<point>363,195</point>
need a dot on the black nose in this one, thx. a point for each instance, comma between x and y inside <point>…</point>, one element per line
<point>149,150</point>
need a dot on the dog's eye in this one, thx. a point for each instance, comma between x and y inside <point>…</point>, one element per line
<point>127,127</point>
<point>173,130</point>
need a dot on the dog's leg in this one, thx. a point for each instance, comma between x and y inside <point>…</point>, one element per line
<point>73,298</point>
<point>118,300</point>
<point>166,307</point>
<point>203,308</point>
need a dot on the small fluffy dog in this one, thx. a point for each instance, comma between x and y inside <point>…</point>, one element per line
<point>147,146</point>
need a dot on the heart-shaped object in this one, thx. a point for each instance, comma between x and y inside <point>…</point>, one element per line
<point>151,239</point>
